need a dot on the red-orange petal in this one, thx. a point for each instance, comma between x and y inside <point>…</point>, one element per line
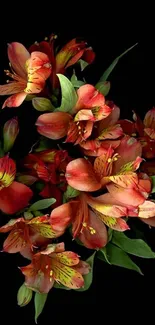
<point>18,55</point>
<point>15,100</point>
<point>81,176</point>
<point>61,217</point>
<point>53,125</point>
<point>126,196</point>
<point>89,97</point>
<point>95,234</point>
<point>14,198</point>
<point>128,150</point>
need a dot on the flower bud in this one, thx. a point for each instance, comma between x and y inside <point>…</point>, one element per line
<point>42,104</point>
<point>24,295</point>
<point>10,132</point>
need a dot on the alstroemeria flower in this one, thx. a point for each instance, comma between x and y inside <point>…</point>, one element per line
<point>14,196</point>
<point>145,131</point>
<point>48,166</point>
<point>113,167</point>
<point>88,216</point>
<point>70,54</point>
<point>105,134</point>
<point>55,264</point>
<point>27,233</point>
<point>29,73</point>
<point>90,108</point>
<point>85,224</point>
<point>110,210</point>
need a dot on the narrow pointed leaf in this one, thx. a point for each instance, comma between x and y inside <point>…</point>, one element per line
<point>39,302</point>
<point>104,252</point>
<point>42,204</point>
<point>135,247</point>
<point>68,95</point>
<point>113,64</point>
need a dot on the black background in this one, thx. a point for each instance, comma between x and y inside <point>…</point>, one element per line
<point>114,290</point>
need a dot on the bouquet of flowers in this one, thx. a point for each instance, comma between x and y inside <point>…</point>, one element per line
<point>88,176</point>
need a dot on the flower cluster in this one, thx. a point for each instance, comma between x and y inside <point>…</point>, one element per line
<point>88,176</point>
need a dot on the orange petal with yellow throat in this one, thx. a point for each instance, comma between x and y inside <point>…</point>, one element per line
<point>110,120</point>
<point>81,176</point>
<point>128,150</point>
<point>114,223</point>
<point>112,132</point>
<point>39,63</point>
<point>7,171</point>
<point>66,275</point>
<point>116,211</point>
<point>67,258</point>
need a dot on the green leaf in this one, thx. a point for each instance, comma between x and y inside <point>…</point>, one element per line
<point>110,234</point>
<point>153,183</point>
<point>113,64</point>
<point>83,64</point>
<point>118,257</point>
<point>42,104</point>
<point>39,303</point>
<point>88,277</point>
<point>136,247</point>
<point>103,87</point>
<point>70,193</point>
<point>68,93</point>
<point>42,204</point>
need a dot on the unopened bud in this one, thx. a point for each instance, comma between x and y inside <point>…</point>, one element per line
<point>10,132</point>
<point>24,295</point>
<point>42,104</point>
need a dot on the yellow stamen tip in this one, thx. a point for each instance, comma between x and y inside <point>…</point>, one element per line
<point>109,160</point>
<point>84,224</point>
